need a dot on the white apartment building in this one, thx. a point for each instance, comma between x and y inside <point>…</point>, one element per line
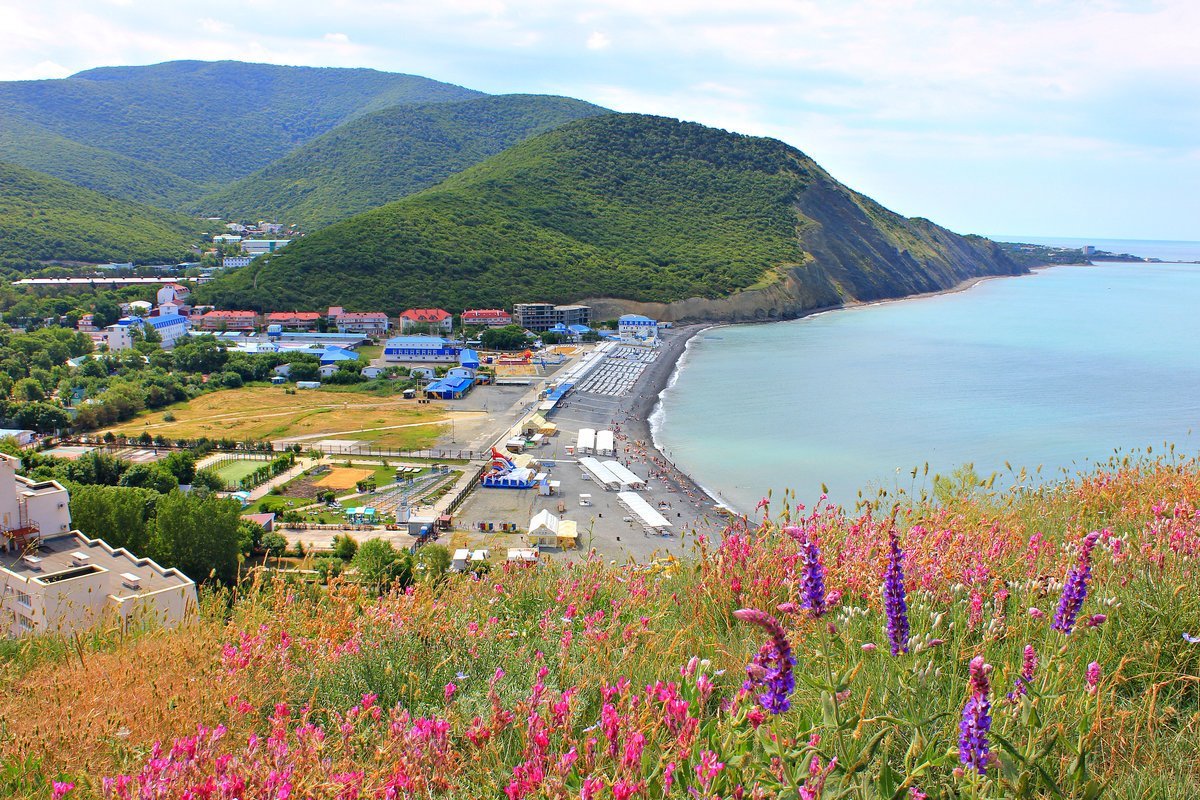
<point>56,580</point>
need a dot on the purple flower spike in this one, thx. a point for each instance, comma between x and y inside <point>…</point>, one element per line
<point>771,667</point>
<point>973,747</point>
<point>895,603</point>
<point>812,579</point>
<point>1076,587</point>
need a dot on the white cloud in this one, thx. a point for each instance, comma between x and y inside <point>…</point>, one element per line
<point>598,41</point>
<point>337,38</point>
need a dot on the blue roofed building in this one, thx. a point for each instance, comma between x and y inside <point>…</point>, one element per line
<point>469,358</point>
<point>636,326</point>
<point>451,387</point>
<point>333,355</point>
<point>420,348</point>
<point>169,327</point>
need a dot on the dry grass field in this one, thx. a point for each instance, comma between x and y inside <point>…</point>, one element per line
<point>266,412</point>
<point>344,477</point>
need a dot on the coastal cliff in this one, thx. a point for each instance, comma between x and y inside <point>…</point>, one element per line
<point>629,213</point>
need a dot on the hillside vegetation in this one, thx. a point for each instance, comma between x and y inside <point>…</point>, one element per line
<point>387,155</point>
<point>1038,644</point>
<point>43,218</point>
<point>621,206</point>
<point>200,123</point>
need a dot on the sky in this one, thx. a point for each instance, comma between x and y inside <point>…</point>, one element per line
<point>999,117</point>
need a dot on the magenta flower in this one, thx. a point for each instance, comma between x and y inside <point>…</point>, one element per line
<point>1093,677</point>
<point>973,747</point>
<point>771,667</point>
<point>895,602</point>
<point>1076,587</point>
<point>61,789</point>
<point>1028,667</point>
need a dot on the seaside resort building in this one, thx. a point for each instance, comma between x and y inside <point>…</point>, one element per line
<point>56,580</point>
<point>420,348</point>
<point>544,316</point>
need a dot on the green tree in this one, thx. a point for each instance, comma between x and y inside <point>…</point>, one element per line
<point>27,390</point>
<point>380,565</point>
<point>510,337</point>
<point>105,312</point>
<point>149,476</point>
<point>344,547</point>
<point>120,516</point>
<point>197,535</point>
<point>274,543</point>
<point>432,561</point>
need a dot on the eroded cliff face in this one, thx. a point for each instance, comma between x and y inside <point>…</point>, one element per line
<point>856,251</point>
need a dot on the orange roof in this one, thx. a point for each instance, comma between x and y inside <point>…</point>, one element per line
<point>425,314</point>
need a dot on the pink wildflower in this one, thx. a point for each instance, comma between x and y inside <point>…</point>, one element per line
<point>708,767</point>
<point>450,690</point>
<point>1093,677</point>
<point>61,789</point>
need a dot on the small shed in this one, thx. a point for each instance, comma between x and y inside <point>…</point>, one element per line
<point>459,562</point>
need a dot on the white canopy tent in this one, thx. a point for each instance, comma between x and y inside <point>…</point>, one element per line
<point>600,473</point>
<point>606,443</point>
<point>587,441</point>
<point>643,510</point>
<point>628,478</point>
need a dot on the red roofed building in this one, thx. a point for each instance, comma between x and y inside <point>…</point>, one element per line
<point>426,320</point>
<point>368,323</point>
<point>294,320</point>
<point>226,321</point>
<point>486,318</point>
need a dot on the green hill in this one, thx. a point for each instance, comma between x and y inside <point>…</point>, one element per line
<point>43,218</point>
<point>189,122</point>
<point>387,155</point>
<point>621,206</point>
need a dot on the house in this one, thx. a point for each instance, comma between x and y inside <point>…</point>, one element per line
<point>544,316</point>
<point>21,437</point>
<point>636,326</point>
<point>294,320</point>
<point>283,370</point>
<point>169,327</point>
<point>334,355</point>
<point>118,337</point>
<point>426,320</point>
<point>258,247</point>
<point>235,227</point>
<point>327,370</point>
<point>369,323</point>
<point>227,321</point>
<point>87,323</point>
<point>372,372</point>
<point>469,359</point>
<point>486,318</point>
<point>56,580</point>
<point>420,348</point>
<point>266,521</point>
<point>270,227</point>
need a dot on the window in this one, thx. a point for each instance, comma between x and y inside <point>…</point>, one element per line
<point>23,599</point>
<point>24,624</point>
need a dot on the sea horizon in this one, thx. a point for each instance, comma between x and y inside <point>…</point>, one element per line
<point>682,423</point>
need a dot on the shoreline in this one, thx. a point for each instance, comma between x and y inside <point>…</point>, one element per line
<point>645,400</point>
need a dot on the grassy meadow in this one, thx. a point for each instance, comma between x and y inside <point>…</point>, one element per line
<point>267,412</point>
<point>591,680</point>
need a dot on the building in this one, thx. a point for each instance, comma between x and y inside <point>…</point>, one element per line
<point>56,580</point>
<point>118,337</point>
<point>270,227</point>
<point>87,323</point>
<point>636,326</point>
<point>227,321</point>
<point>294,320</point>
<point>226,238</point>
<point>21,437</point>
<point>547,530</point>
<point>544,316</point>
<point>420,348</point>
<point>258,247</point>
<point>368,323</point>
<point>486,318</point>
<point>174,293</point>
<point>426,320</point>
<point>236,261</point>
<point>169,327</point>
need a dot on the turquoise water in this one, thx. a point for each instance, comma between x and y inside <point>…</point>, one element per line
<point>1057,369</point>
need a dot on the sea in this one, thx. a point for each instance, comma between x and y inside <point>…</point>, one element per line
<point>1051,373</point>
